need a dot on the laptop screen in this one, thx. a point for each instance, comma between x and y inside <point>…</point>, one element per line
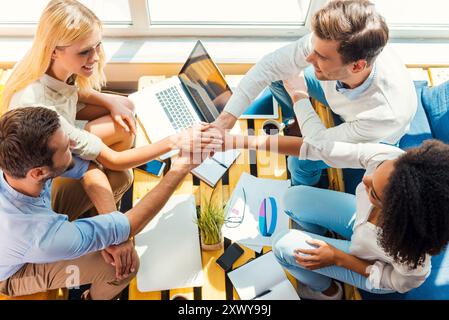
<point>205,83</point>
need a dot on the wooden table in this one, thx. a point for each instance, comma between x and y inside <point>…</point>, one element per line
<point>266,165</point>
<point>261,164</point>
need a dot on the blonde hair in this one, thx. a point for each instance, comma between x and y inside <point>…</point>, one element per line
<point>62,22</point>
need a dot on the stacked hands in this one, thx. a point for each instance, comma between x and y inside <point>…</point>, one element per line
<point>198,143</point>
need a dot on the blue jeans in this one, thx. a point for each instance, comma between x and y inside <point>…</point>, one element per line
<point>303,172</point>
<point>316,211</point>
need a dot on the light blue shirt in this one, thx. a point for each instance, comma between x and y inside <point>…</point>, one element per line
<point>31,232</point>
<point>353,94</point>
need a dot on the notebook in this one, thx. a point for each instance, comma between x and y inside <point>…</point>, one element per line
<point>213,168</point>
<point>262,279</point>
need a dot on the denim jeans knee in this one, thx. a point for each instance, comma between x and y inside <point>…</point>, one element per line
<point>305,172</point>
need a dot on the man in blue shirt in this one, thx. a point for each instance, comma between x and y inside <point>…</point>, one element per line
<point>42,250</point>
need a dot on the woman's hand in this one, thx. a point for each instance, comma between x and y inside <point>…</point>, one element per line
<point>122,112</point>
<point>198,139</point>
<point>323,256</point>
<point>229,140</point>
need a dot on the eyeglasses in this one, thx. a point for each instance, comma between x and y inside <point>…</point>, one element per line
<point>372,192</point>
<point>88,52</point>
<point>236,212</point>
<point>375,196</point>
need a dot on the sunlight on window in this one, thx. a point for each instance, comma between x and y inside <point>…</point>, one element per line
<point>251,12</point>
<point>414,12</point>
<point>109,11</point>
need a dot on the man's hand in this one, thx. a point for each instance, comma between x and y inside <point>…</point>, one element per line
<point>225,121</point>
<point>123,257</point>
<point>311,259</point>
<point>230,141</point>
<point>296,88</point>
<point>186,161</point>
<point>198,138</point>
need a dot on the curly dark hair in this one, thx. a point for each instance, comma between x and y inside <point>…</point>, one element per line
<point>415,214</point>
<point>24,135</point>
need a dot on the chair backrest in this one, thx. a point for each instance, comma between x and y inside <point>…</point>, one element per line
<point>435,101</point>
<point>419,128</point>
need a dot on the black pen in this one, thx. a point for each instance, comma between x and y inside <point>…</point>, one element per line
<point>221,164</point>
<point>261,294</point>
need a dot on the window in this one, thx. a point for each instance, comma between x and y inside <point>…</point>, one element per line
<point>415,18</point>
<point>228,12</point>
<point>109,11</point>
<point>13,13</point>
<point>414,13</point>
<point>236,18</point>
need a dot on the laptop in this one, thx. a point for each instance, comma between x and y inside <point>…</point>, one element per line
<point>198,93</point>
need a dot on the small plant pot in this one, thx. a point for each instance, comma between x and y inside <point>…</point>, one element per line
<point>212,247</point>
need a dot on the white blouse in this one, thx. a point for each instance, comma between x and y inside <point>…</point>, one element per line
<point>384,273</point>
<point>62,98</point>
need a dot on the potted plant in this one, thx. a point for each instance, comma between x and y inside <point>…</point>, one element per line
<point>210,220</point>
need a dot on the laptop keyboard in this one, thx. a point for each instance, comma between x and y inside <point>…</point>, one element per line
<point>175,108</point>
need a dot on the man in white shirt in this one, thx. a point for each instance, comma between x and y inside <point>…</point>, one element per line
<point>354,73</point>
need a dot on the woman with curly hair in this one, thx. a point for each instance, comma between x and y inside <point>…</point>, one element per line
<point>397,219</point>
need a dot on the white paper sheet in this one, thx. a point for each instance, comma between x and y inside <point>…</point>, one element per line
<point>263,274</point>
<point>169,248</point>
<point>256,189</point>
<point>281,291</point>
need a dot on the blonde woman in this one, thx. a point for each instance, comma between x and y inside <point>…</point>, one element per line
<point>63,71</point>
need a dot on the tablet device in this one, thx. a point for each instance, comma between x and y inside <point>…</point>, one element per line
<point>263,107</point>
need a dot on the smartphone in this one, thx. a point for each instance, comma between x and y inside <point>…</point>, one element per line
<point>229,256</point>
<point>154,167</point>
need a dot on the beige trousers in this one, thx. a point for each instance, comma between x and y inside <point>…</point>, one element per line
<point>68,197</point>
<point>88,269</point>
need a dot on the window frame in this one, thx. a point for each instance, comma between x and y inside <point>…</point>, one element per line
<point>141,27</point>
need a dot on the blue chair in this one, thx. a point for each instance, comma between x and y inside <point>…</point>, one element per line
<point>431,122</point>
